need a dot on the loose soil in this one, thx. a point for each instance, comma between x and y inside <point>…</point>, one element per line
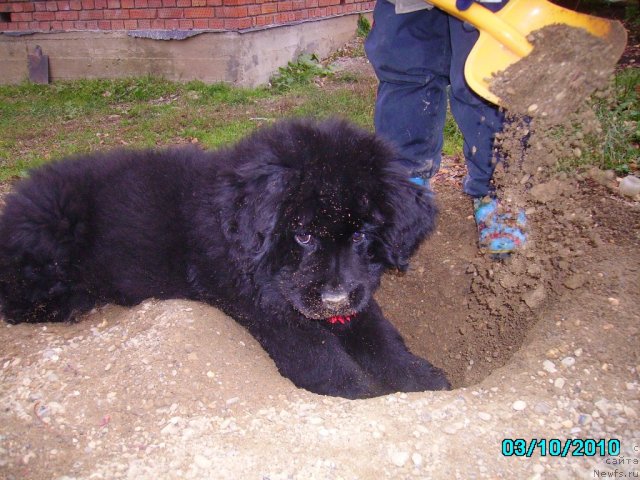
<point>541,345</point>
<point>176,389</point>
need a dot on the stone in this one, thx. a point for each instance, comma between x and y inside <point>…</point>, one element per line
<point>519,405</point>
<point>629,186</point>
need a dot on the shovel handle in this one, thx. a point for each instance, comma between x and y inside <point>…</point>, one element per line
<point>484,19</point>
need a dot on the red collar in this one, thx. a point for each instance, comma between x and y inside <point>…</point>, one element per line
<point>341,319</point>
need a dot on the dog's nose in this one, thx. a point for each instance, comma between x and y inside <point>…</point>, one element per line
<point>334,299</point>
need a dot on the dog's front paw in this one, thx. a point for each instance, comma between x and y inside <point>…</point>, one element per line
<point>418,375</point>
<point>360,386</point>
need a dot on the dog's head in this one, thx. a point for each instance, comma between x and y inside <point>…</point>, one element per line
<point>318,211</point>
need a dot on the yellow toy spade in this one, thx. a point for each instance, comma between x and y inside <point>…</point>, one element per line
<point>502,41</point>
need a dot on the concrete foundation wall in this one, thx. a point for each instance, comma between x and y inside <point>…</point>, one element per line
<point>246,58</point>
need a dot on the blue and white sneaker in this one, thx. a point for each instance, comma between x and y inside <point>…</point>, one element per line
<point>499,233</point>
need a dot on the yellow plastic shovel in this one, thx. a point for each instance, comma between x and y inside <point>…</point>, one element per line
<point>502,40</point>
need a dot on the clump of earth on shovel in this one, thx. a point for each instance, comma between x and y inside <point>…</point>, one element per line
<point>566,66</point>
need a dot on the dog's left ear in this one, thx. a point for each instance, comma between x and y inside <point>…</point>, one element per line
<point>251,208</point>
<point>410,212</point>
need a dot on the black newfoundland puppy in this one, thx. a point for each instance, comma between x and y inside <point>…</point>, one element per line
<point>288,232</point>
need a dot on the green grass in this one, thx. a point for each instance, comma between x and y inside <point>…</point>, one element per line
<point>618,147</point>
<point>452,137</point>
<point>615,144</point>
<point>41,123</point>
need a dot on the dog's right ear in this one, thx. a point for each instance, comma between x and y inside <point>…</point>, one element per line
<point>410,216</point>
<point>251,205</point>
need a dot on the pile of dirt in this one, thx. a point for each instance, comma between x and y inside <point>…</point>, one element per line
<point>549,115</point>
<point>492,305</point>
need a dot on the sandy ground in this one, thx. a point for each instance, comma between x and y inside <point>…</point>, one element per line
<point>178,390</point>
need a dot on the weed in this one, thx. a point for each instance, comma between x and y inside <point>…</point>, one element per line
<point>363,26</point>
<point>617,146</point>
<point>301,72</point>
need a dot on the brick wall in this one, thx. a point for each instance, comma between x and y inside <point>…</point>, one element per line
<point>69,15</point>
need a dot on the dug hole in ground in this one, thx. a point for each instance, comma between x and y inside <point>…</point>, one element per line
<point>541,346</point>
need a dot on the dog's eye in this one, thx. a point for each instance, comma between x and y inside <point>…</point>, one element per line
<point>357,237</point>
<point>303,238</point>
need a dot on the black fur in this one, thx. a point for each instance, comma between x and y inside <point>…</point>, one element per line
<point>291,226</point>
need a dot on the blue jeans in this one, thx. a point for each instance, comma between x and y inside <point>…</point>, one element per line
<point>416,57</point>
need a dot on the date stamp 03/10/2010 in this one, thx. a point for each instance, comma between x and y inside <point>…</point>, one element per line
<point>554,447</point>
<point>608,449</point>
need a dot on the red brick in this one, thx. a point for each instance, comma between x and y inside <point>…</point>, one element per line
<point>56,25</point>
<point>168,3</point>
<point>63,5</point>
<point>170,13</point>
<point>113,4</point>
<point>44,16</point>
<point>100,3</point>
<point>141,3</point>
<point>75,5</point>
<point>284,6</point>
<point>130,24</point>
<point>199,3</point>
<point>91,14</point>
<point>155,3</point>
<point>299,4</point>
<point>171,24</point>
<point>88,4</point>
<point>186,24</point>
<point>216,23</point>
<point>214,3</point>
<point>92,25</point>
<point>263,20</point>
<point>68,16</point>
<point>201,23</point>
<point>200,12</point>
<point>40,7</point>
<point>270,7</point>
<point>138,13</point>
<point>81,25</point>
<point>312,3</point>
<point>117,24</point>
<point>116,14</point>
<point>237,23</point>
<point>285,17</point>
<point>157,24</point>
<point>183,3</point>
<point>301,15</point>
<point>22,17</point>
<point>231,12</point>
<point>127,3</point>
<point>144,24</point>
<point>52,6</point>
<point>12,7</point>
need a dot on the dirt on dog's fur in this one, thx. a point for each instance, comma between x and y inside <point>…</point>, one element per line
<point>288,232</point>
